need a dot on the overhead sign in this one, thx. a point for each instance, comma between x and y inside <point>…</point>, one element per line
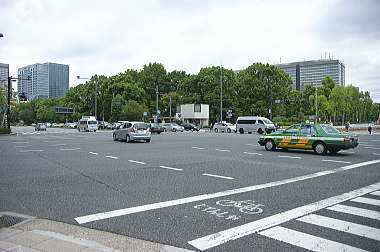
<point>64,110</point>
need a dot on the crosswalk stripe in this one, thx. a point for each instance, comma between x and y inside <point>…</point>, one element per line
<point>367,201</point>
<point>343,226</point>
<point>377,193</point>
<point>355,211</point>
<point>305,241</point>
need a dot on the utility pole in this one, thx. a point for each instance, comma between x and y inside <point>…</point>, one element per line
<point>221,93</point>
<point>170,108</point>
<point>156,98</point>
<point>316,104</point>
<point>9,102</point>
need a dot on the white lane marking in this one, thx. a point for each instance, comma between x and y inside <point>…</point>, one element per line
<point>198,148</point>
<point>223,150</point>
<point>143,208</point>
<point>234,233</point>
<point>350,152</point>
<point>355,211</point>
<point>22,146</point>
<point>51,141</point>
<point>252,153</point>
<point>251,144</point>
<point>343,226</point>
<point>372,148</point>
<point>93,153</point>
<point>289,157</point>
<point>367,201</point>
<point>306,241</point>
<point>112,157</point>
<point>20,142</point>
<point>377,154</point>
<point>30,150</point>
<point>137,162</point>
<point>69,149</point>
<point>336,161</point>
<point>216,176</point>
<point>170,168</point>
<point>377,193</point>
<point>56,145</point>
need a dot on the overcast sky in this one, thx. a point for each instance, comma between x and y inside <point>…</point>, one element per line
<point>107,37</point>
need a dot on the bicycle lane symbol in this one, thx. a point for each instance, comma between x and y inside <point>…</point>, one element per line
<point>249,207</point>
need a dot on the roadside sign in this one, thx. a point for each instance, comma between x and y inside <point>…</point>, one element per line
<point>154,118</point>
<point>158,111</point>
<point>277,101</point>
<point>145,113</point>
<point>64,110</point>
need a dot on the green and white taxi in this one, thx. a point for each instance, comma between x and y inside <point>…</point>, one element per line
<point>318,137</point>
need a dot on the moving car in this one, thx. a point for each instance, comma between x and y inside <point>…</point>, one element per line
<point>254,124</point>
<point>224,127</point>
<point>190,126</point>
<point>318,137</point>
<point>156,128</point>
<point>132,131</point>
<point>173,127</point>
<point>40,126</point>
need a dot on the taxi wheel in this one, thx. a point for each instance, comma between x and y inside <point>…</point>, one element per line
<point>320,148</point>
<point>114,136</point>
<point>216,130</point>
<point>269,145</point>
<point>241,131</point>
<point>127,139</point>
<point>228,130</point>
<point>260,131</point>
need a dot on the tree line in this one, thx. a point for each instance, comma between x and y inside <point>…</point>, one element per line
<point>260,89</point>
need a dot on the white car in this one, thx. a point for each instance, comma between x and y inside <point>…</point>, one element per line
<point>173,127</point>
<point>224,127</point>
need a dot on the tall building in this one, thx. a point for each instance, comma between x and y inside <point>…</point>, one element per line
<point>4,73</point>
<point>45,80</point>
<point>312,72</point>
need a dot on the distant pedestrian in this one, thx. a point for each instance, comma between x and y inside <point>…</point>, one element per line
<point>347,125</point>
<point>370,128</point>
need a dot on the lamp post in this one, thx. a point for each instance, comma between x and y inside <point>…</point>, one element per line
<point>96,94</point>
<point>221,93</point>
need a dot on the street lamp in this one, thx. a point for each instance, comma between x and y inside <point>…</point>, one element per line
<point>96,93</point>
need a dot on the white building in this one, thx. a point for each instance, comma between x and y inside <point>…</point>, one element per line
<point>4,73</point>
<point>194,113</point>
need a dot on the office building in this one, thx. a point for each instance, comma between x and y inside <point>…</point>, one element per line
<point>4,73</point>
<point>312,72</point>
<point>45,80</point>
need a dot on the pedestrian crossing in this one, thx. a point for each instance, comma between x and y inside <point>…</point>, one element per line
<point>334,218</point>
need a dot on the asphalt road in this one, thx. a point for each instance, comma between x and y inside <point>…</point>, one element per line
<point>186,189</point>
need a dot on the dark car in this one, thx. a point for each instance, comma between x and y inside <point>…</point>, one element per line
<point>190,126</point>
<point>156,128</point>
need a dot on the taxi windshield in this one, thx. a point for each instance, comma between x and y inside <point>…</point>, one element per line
<point>329,129</point>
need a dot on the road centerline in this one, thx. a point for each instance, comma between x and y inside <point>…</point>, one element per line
<point>252,153</point>
<point>293,157</point>
<point>158,205</point>
<point>170,168</point>
<point>198,148</point>
<point>222,150</point>
<point>113,157</point>
<point>336,161</point>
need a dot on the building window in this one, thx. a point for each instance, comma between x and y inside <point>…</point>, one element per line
<point>197,107</point>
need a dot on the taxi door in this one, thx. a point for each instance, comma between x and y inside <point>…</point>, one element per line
<point>288,137</point>
<point>304,138</point>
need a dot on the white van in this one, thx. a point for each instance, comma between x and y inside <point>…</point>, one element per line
<point>88,123</point>
<point>254,124</point>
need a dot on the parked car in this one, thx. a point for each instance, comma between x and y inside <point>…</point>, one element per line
<point>156,128</point>
<point>190,126</point>
<point>173,127</point>
<point>132,131</point>
<point>71,125</point>
<point>40,126</point>
<point>318,137</point>
<point>224,127</point>
<point>254,124</point>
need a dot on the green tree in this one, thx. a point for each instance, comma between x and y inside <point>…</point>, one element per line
<point>132,111</point>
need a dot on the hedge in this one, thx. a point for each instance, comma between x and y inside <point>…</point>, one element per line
<point>5,131</point>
